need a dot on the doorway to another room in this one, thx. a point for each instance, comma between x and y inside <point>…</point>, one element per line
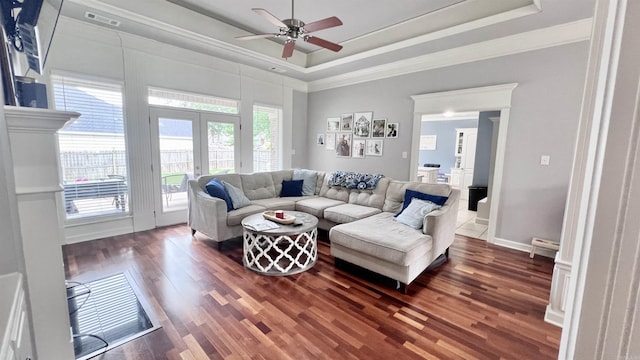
<point>490,98</point>
<point>460,148</point>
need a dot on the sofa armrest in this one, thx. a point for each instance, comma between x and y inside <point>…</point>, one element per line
<point>441,223</point>
<point>206,214</point>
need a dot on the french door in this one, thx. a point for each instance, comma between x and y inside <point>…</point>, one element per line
<point>185,145</point>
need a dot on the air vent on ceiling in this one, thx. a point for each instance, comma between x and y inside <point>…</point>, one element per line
<point>102,19</point>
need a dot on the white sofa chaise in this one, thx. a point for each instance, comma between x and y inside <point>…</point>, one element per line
<point>361,223</point>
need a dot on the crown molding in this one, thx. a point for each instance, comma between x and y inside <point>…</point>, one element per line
<point>301,62</point>
<point>557,35</point>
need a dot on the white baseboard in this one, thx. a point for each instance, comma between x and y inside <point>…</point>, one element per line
<point>482,221</point>
<point>553,317</point>
<point>73,239</point>
<point>75,233</point>
<point>523,247</point>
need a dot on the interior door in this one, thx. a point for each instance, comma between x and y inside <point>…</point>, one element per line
<point>177,157</point>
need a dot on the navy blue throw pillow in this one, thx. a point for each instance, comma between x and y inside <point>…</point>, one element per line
<point>216,189</point>
<point>291,188</point>
<point>410,194</point>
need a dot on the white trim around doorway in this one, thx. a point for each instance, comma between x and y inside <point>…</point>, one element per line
<point>485,98</point>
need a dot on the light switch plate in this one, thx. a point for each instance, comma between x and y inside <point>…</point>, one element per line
<point>544,160</point>
<point>404,154</point>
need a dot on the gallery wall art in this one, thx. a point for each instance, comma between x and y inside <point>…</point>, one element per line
<point>357,135</point>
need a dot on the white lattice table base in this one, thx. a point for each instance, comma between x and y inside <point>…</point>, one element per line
<point>274,254</point>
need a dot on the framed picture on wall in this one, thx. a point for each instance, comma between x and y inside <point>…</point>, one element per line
<point>392,130</point>
<point>330,141</point>
<point>333,124</point>
<point>320,139</point>
<point>374,147</point>
<point>378,128</point>
<point>358,148</point>
<point>346,122</point>
<point>362,124</point>
<point>343,144</point>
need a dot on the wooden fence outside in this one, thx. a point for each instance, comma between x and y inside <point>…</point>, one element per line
<point>93,165</point>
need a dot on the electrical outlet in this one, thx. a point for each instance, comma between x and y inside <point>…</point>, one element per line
<point>544,160</point>
<point>404,154</point>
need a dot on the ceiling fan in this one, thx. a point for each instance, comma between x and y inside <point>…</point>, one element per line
<point>293,29</point>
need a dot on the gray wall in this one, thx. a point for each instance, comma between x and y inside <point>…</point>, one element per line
<point>300,142</point>
<point>483,148</point>
<point>444,154</point>
<point>543,120</point>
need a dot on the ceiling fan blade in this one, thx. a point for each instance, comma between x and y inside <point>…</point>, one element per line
<point>259,36</point>
<point>287,52</point>
<point>323,43</point>
<point>270,17</point>
<point>322,24</point>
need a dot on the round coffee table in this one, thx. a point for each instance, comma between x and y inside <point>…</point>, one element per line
<point>285,250</point>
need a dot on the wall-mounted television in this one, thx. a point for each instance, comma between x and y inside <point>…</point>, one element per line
<point>29,25</point>
<point>28,28</point>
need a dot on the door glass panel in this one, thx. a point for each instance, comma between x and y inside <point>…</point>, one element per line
<point>221,147</point>
<point>176,161</point>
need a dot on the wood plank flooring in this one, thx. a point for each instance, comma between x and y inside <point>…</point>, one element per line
<point>486,302</point>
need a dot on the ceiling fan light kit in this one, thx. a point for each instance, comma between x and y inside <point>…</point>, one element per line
<point>293,29</point>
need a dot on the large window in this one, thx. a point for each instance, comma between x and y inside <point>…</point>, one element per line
<point>93,153</point>
<point>267,138</point>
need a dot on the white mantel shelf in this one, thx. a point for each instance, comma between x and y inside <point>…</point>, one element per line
<point>27,119</point>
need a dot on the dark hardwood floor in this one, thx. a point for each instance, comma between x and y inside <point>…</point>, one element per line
<point>486,302</point>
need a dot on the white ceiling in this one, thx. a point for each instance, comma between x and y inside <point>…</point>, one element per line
<point>375,32</point>
<point>360,17</point>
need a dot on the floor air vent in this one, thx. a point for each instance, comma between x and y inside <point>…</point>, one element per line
<point>104,314</point>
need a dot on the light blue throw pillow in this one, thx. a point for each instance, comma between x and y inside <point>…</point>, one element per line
<point>309,178</point>
<point>238,198</point>
<point>413,215</point>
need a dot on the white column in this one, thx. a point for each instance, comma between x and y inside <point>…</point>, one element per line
<point>37,180</point>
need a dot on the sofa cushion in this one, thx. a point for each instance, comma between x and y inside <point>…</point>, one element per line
<point>316,206</point>
<point>309,178</point>
<point>320,182</point>
<point>278,177</point>
<point>258,186</point>
<point>276,203</point>
<point>292,188</point>
<point>348,212</point>
<point>334,192</point>
<point>372,198</point>
<point>410,195</point>
<point>216,189</point>
<point>238,199</point>
<point>396,192</point>
<point>391,241</point>
<point>413,215</point>
<point>235,217</point>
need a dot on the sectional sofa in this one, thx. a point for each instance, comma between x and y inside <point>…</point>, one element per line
<point>361,224</point>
